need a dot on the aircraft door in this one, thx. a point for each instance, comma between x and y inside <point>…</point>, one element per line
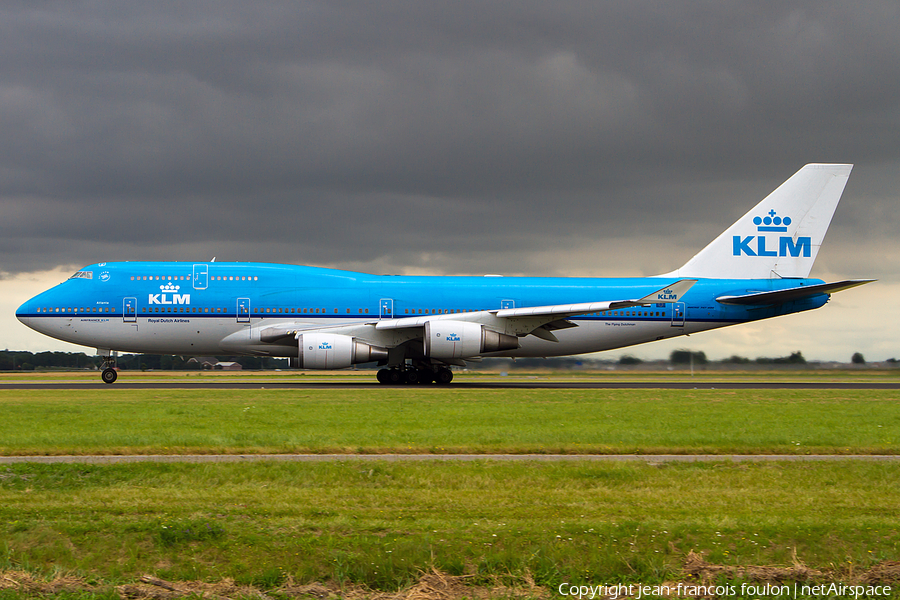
<point>243,310</point>
<point>678,314</point>
<point>129,310</point>
<point>201,277</point>
<point>386,310</point>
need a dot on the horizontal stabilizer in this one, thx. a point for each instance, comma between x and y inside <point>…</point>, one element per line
<point>789,295</point>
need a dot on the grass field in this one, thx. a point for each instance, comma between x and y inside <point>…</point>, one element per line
<point>380,524</point>
<point>428,420</point>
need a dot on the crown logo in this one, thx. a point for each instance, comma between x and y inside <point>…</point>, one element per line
<point>169,287</point>
<point>771,222</point>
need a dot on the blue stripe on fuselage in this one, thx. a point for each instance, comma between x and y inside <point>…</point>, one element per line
<point>161,288</point>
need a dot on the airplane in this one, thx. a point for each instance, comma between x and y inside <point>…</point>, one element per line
<point>417,327</point>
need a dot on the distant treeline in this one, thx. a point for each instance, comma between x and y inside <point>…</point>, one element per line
<point>27,361</point>
<point>677,358</point>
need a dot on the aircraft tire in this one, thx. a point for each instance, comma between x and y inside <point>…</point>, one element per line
<point>394,377</point>
<point>443,376</point>
<point>109,375</point>
<point>412,377</point>
<point>383,376</point>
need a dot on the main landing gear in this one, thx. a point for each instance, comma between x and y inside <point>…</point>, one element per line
<point>109,374</point>
<point>414,376</point>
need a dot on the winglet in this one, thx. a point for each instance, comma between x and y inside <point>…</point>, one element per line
<point>670,293</point>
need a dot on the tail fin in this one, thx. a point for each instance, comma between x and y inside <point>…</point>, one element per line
<point>780,236</point>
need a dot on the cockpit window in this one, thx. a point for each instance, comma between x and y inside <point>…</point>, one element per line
<point>83,275</point>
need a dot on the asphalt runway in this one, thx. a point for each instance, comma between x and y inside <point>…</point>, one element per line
<point>315,458</point>
<point>225,384</point>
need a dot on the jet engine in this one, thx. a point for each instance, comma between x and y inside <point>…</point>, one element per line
<point>334,351</point>
<point>460,339</point>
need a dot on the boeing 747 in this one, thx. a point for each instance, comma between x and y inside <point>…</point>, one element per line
<point>417,327</point>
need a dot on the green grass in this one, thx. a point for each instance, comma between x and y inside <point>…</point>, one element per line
<point>708,373</point>
<point>380,524</point>
<point>416,420</point>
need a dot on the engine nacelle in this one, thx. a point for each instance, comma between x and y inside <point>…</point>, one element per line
<point>460,339</point>
<point>334,351</point>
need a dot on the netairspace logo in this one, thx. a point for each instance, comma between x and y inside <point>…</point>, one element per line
<point>745,590</point>
<point>766,246</point>
<point>168,295</point>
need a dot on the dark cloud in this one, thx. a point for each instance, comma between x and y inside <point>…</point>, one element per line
<point>437,136</point>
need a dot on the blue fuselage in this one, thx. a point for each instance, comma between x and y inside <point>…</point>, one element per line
<point>190,308</point>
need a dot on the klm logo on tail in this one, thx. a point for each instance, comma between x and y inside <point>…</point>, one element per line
<point>769,245</point>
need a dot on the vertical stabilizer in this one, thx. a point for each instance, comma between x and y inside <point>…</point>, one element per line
<point>780,236</point>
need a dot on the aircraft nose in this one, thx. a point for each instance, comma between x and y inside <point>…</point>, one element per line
<point>28,311</point>
<point>22,315</point>
<point>23,310</point>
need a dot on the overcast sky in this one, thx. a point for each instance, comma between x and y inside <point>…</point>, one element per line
<point>541,138</point>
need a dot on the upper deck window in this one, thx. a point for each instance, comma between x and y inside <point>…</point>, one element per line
<point>83,275</point>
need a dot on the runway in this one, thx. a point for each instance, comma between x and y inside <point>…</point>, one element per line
<point>318,458</point>
<point>493,384</point>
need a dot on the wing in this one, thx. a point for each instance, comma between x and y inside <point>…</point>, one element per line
<point>477,333</point>
<point>524,321</point>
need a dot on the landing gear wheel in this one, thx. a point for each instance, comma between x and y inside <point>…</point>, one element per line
<point>443,376</point>
<point>412,377</point>
<point>109,375</point>
<point>383,376</point>
<point>395,377</point>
